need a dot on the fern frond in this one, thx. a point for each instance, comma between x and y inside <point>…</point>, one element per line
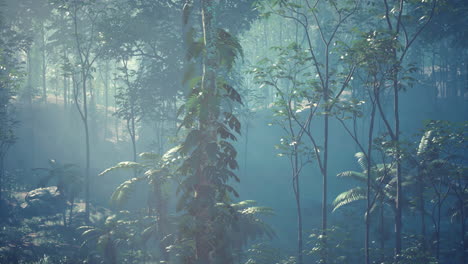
<point>149,156</point>
<point>124,165</point>
<point>149,232</point>
<point>170,156</point>
<point>348,197</point>
<point>424,143</point>
<point>243,204</point>
<point>122,193</point>
<point>353,174</point>
<point>257,210</point>
<point>362,160</point>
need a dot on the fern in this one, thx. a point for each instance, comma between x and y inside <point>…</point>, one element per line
<point>424,143</point>
<point>124,165</point>
<point>122,193</point>
<point>347,197</point>
<point>360,176</point>
<point>362,160</point>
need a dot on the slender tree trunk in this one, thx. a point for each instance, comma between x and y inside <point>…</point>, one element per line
<point>44,64</point>
<point>398,202</point>
<point>326,98</point>
<point>131,132</point>
<point>29,98</point>
<point>85,68</point>
<point>87,145</point>
<point>369,185</point>
<point>29,74</point>
<point>439,205</point>
<point>2,176</point>
<point>463,231</point>
<point>382,231</point>
<point>106,97</point>
<point>422,209</point>
<point>65,89</point>
<point>298,207</point>
<point>115,118</point>
<point>246,146</point>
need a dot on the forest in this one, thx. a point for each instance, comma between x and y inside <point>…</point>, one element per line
<point>163,131</point>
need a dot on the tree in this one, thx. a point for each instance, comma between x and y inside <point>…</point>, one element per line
<point>378,193</point>
<point>402,39</point>
<point>127,100</point>
<point>11,74</point>
<point>84,16</point>
<point>289,77</point>
<point>332,81</point>
<point>442,170</point>
<point>208,156</point>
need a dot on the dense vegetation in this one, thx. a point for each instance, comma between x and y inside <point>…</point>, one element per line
<point>233,131</point>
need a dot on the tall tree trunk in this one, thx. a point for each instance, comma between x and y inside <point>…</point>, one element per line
<point>297,194</point>
<point>44,64</point>
<point>65,87</point>
<point>204,190</point>
<point>463,231</point>
<point>439,205</point>
<point>106,97</point>
<point>85,69</point>
<point>398,202</point>
<point>87,146</point>
<point>131,131</point>
<point>382,231</point>
<point>369,184</point>
<point>2,176</point>
<point>422,208</point>
<point>326,98</point>
<point>29,98</point>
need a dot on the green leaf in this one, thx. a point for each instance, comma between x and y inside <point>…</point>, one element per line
<point>124,165</point>
<point>348,197</point>
<point>123,191</point>
<point>353,174</point>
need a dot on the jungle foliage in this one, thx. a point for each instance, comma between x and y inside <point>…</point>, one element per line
<point>142,131</point>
